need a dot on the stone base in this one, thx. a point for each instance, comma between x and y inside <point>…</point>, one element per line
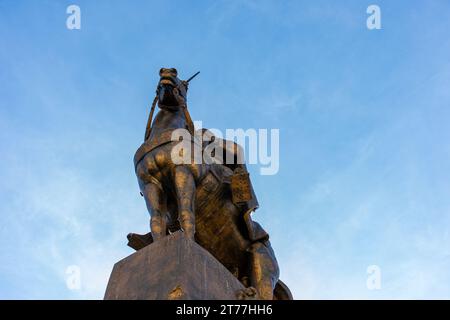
<point>174,268</point>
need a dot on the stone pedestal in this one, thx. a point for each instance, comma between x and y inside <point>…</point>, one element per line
<point>174,268</point>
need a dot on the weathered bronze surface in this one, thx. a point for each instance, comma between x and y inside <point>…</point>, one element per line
<point>210,203</point>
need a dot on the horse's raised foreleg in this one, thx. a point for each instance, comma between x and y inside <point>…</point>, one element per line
<point>154,198</point>
<point>185,191</point>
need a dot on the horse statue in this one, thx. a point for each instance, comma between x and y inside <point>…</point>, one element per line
<point>210,202</point>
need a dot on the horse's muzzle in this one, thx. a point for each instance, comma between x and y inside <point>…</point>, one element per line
<point>169,81</point>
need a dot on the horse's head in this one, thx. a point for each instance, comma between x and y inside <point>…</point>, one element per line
<point>171,91</point>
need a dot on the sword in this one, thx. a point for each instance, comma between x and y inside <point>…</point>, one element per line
<point>192,77</point>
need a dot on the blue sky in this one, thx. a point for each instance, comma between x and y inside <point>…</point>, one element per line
<point>363,115</point>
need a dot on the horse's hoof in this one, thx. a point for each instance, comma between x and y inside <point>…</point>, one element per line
<point>139,241</point>
<point>249,293</point>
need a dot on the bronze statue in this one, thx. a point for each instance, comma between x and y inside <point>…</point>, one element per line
<point>211,203</point>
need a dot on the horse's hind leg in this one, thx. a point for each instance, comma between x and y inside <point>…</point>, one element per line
<point>185,191</point>
<point>154,198</point>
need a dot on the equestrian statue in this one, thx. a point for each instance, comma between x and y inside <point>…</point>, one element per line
<point>210,202</point>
